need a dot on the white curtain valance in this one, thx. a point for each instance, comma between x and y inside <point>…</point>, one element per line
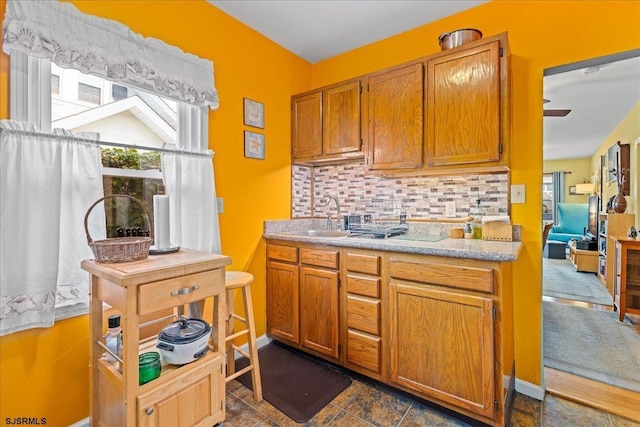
<point>106,48</point>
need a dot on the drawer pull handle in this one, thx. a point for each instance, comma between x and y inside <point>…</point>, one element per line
<point>185,291</point>
<point>149,411</point>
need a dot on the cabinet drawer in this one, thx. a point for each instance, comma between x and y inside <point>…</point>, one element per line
<point>179,291</point>
<point>366,286</point>
<point>471,278</point>
<point>363,314</point>
<point>319,257</point>
<point>282,253</point>
<point>363,350</point>
<point>367,264</point>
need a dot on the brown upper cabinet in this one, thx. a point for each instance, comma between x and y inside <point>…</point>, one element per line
<point>463,106</point>
<point>326,124</point>
<point>395,119</point>
<point>446,112</point>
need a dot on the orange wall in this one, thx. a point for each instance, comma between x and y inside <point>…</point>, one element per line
<point>542,34</point>
<point>247,65</point>
<point>44,372</point>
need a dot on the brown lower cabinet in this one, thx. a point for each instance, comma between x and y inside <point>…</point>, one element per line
<point>440,328</point>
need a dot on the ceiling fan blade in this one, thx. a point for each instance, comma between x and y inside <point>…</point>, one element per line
<point>556,113</point>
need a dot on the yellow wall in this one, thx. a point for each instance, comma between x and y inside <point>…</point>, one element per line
<point>44,372</point>
<point>542,34</point>
<point>579,168</point>
<point>627,132</point>
<point>36,364</point>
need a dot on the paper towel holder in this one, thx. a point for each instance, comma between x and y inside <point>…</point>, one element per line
<point>160,251</point>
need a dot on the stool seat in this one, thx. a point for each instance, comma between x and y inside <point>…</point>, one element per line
<point>237,279</point>
<point>242,280</point>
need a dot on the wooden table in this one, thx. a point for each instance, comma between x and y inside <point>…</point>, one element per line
<point>583,260</point>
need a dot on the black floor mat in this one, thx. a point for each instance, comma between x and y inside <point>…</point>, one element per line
<point>295,384</point>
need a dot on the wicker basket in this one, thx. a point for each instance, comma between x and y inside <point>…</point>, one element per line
<point>120,249</point>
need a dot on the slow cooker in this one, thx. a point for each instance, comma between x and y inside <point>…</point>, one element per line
<point>184,341</point>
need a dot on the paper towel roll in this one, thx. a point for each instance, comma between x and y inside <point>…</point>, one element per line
<point>161,221</point>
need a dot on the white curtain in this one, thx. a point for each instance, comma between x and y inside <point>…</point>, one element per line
<point>190,184</point>
<point>47,183</point>
<point>106,48</point>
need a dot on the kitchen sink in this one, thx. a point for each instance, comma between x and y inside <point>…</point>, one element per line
<point>318,233</point>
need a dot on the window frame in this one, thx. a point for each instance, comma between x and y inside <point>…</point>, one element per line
<point>31,102</point>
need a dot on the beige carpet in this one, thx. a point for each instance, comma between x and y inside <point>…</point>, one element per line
<point>592,344</point>
<point>561,280</point>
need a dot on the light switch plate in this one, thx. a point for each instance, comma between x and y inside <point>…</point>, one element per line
<point>450,209</point>
<point>220,202</point>
<point>518,193</point>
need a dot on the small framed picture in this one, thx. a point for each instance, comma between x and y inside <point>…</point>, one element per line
<point>253,145</point>
<point>572,190</point>
<point>253,113</point>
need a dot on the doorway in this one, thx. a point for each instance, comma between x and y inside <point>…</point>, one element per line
<point>584,104</point>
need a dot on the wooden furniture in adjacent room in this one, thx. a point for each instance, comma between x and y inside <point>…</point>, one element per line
<point>626,290</point>
<point>583,260</point>
<point>242,280</point>
<point>610,224</point>
<point>187,395</point>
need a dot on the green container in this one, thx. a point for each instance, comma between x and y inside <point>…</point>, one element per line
<point>149,367</point>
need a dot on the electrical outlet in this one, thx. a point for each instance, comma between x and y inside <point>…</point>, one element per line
<point>450,209</point>
<point>220,202</point>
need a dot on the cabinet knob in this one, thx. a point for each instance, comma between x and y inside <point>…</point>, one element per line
<point>149,411</point>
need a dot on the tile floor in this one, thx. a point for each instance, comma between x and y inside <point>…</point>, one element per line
<point>371,404</point>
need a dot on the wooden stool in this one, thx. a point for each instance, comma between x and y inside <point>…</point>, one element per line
<point>242,280</point>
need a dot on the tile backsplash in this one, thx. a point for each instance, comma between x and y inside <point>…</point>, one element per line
<point>421,197</point>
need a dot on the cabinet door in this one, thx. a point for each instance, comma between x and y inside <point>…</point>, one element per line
<point>442,345</point>
<point>283,301</point>
<point>306,125</point>
<point>319,310</point>
<point>463,106</point>
<point>193,400</point>
<point>341,119</point>
<point>395,137</point>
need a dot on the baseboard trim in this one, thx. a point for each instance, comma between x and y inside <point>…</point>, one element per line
<point>261,341</point>
<point>82,423</point>
<point>532,390</point>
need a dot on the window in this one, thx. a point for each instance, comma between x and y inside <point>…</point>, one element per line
<point>547,197</point>
<point>129,117</point>
<point>118,92</point>
<point>55,84</point>
<point>88,93</point>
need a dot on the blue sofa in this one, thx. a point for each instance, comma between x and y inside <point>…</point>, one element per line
<point>572,220</point>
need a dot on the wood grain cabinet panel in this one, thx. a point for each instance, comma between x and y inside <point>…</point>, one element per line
<point>283,294</point>
<point>190,404</point>
<point>306,125</point>
<point>367,286</point>
<point>463,107</point>
<point>319,257</point>
<point>442,345</point>
<point>282,253</point>
<point>319,310</point>
<point>363,314</point>
<point>341,119</point>
<point>395,135</point>
<point>364,350</point>
<point>367,264</point>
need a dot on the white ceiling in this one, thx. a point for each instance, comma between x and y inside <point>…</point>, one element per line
<point>319,29</point>
<point>598,101</point>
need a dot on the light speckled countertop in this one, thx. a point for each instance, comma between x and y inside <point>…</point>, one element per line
<point>457,248</point>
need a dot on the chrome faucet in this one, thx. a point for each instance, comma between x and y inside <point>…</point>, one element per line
<point>329,217</point>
